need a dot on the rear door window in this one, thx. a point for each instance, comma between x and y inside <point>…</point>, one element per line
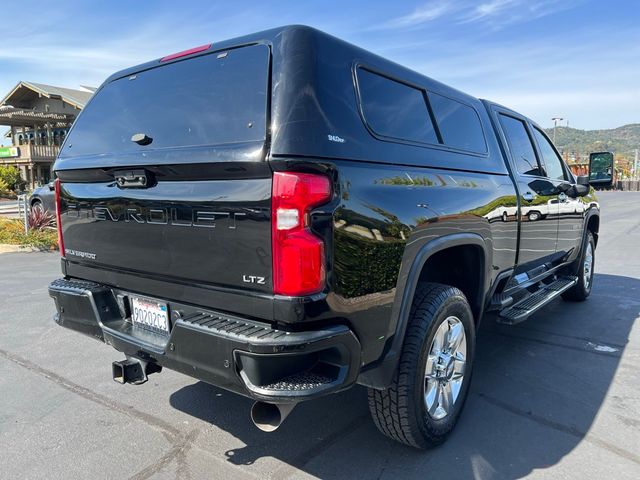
<point>207,100</point>
<point>459,124</point>
<point>520,146</point>
<point>395,110</point>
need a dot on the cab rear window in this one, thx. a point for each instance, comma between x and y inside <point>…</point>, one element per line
<point>213,99</point>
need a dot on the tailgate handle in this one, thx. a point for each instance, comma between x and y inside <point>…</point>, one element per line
<point>132,178</point>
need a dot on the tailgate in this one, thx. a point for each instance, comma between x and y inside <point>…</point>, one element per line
<point>211,231</point>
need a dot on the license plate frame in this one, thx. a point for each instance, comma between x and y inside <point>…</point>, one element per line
<point>150,314</point>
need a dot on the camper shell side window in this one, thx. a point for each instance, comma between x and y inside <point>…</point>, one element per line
<point>397,111</point>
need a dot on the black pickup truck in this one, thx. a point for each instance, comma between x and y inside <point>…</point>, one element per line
<point>285,215</point>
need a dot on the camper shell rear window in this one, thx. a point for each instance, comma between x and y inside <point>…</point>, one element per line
<point>212,99</point>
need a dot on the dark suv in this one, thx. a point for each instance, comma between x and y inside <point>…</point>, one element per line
<point>285,215</point>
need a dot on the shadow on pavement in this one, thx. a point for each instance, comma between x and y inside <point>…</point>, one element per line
<point>537,389</point>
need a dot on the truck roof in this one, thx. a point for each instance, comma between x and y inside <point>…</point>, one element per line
<point>315,109</point>
<point>288,40</point>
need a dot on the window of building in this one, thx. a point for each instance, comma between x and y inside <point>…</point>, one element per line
<point>520,146</point>
<point>459,124</point>
<point>395,110</point>
<point>552,163</point>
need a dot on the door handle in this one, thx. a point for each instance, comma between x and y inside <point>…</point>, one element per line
<point>528,197</point>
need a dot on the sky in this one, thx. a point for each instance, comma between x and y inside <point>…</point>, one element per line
<point>576,59</point>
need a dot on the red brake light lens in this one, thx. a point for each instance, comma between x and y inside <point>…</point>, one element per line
<point>298,254</point>
<point>184,53</point>
<point>58,220</point>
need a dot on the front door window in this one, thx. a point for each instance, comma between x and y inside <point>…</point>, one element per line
<point>552,163</point>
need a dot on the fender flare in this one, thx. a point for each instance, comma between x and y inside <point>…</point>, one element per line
<point>380,373</point>
<point>572,266</point>
<point>593,212</point>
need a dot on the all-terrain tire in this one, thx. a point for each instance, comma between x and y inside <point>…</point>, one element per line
<point>400,411</point>
<point>581,290</point>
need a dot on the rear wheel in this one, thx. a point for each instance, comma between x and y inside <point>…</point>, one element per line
<point>421,406</point>
<point>37,206</point>
<point>586,261</point>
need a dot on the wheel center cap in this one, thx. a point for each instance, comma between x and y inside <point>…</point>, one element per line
<point>446,364</point>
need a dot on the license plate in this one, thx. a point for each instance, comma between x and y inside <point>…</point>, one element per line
<point>150,314</point>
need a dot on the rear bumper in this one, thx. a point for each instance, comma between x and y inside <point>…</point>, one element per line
<point>247,357</point>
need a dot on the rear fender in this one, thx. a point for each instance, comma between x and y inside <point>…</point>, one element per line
<point>380,373</point>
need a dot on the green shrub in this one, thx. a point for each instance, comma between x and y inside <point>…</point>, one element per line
<point>4,187</point>
<point>10,175</point>
<point>12,232</point>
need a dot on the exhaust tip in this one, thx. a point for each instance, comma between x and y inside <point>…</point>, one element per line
<point>269,416</point>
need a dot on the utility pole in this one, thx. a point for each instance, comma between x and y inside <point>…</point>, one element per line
<point>555,125</point>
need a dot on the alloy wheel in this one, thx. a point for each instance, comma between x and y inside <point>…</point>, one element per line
<point>444,369</point>
<point>587,268</point>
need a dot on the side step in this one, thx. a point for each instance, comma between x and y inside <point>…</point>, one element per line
<point>531,304</point>
<point>499,302</point>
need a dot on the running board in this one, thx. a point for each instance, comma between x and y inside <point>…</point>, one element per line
<point>499,302</point>
<point>531,304</point>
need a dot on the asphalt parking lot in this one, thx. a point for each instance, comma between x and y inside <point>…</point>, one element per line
<point>555,397</point>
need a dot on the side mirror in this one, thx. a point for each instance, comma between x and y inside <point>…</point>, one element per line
<point>582,190</point>
<point>578,190</point>
<point>52,186</point>
<point>601,169</point>
<point>564,187</point>
<point>582,180</point>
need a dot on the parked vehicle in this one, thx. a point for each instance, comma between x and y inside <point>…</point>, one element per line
<point>285,215</point>
<point>43,198</point>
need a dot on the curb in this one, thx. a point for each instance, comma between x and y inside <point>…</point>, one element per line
<point>8,248</point>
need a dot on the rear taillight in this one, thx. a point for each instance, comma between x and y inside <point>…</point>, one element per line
<point>58,220</point>
<point>298,254</point>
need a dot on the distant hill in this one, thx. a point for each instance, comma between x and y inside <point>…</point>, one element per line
<point>575,143</point>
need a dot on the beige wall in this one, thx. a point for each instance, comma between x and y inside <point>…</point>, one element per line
<point>55,106</point>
